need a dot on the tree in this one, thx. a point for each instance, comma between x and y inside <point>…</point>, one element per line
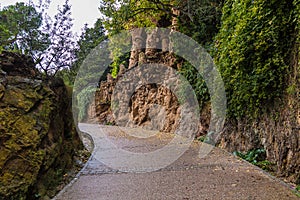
<point>88,59</point>
<point>20,29</point>
<point>202,20</point>
<point>89,39</point>
<point>29,30</point>
<point>130,14</point>
<point>60,53</point>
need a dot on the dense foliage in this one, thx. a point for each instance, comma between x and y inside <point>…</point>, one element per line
<point>19,29</point>
<point>128,14</point>
<point>201,20</point>
<point>252,52</point>
<point>85,86</point>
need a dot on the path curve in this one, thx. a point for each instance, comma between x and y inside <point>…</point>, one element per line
<point>220,175</point>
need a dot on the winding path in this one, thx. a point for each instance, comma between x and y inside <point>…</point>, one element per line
<point>219,175</point>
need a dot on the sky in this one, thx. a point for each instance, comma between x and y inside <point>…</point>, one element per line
<point>83,11</point>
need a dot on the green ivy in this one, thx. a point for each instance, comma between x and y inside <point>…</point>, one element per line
<point>252,52</point>
<point>197,82</point>
<point>117,61</point>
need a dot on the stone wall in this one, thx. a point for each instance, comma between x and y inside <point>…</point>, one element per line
<point>277,132</point>
<point>37,136</point>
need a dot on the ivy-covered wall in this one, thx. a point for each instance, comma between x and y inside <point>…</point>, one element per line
<point>253,51</point>
<point>257,52</point>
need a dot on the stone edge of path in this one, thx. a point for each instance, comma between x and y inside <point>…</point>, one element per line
<point>89,137</point>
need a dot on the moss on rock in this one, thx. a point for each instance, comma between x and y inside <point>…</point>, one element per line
<point>38,138</point>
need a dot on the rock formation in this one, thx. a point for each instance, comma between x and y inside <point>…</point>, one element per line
<point>148,47</point>
<point>38,138</point>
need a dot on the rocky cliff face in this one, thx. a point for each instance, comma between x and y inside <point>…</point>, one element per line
<point>151,106</point>
<point>277,132</point>
<point>37,136</point>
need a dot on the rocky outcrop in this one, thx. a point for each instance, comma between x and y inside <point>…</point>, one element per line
<point>142,109</point>
<point>155,106</point>
<point>38,138</point>
<point>152,106</point>
<point>151,101</point>
<point>102,110</point>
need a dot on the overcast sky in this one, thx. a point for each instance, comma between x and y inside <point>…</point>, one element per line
<point>83,11</point>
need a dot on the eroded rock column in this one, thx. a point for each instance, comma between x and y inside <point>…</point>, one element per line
<point>138,42</point>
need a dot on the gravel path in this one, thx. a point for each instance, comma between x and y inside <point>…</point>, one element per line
<point>219,175</point>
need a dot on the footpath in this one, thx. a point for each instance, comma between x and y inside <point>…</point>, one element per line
<point>218,176</point>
